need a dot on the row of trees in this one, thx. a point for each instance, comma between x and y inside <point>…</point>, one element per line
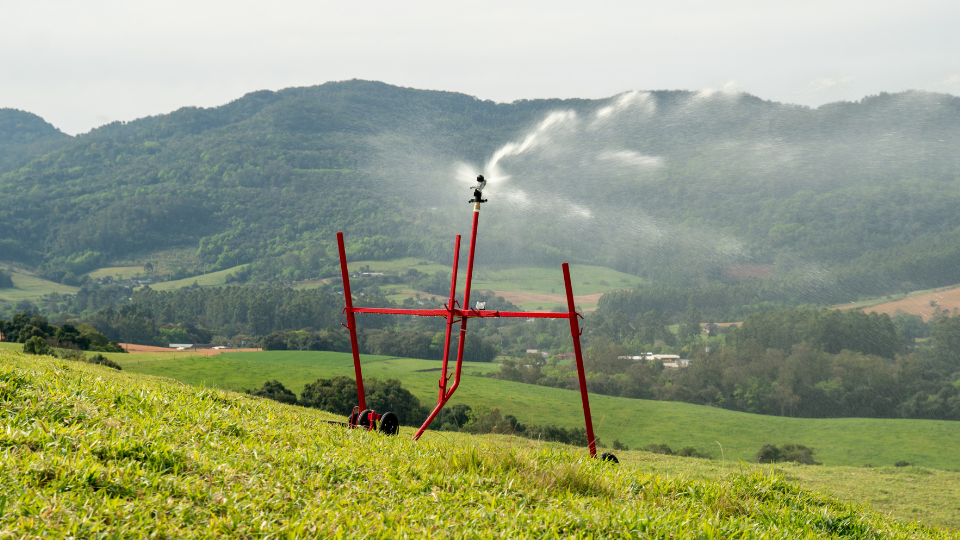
<point>25,327</point>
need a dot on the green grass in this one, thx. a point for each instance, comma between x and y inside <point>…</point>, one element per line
<point>213,279</point>
<point>585,279</point>
<point>89,452</point>
<point>638,423</point>
<point>117,272</point>
<point>27,287</point>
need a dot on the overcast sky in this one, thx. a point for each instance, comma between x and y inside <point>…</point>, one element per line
<point>80,64</point>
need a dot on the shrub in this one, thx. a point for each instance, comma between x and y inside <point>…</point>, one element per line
<point>796,453</point>
<point>902,463</point>
<point>36,345</point>
<point>102,360</point>
<point>275,390</point>
<point>686,451</point>
<point>339,395</point>
<point>617,445</point>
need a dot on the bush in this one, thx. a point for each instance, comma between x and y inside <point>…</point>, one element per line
<point>339,395</point>
<point>102,360</point>
<point>686,451</point>
<point>275,390</point>
<point>796,453</point>
<point>36,345</point>
<point>276,341</point>
<point>902,463</point>
<point>617,445</point>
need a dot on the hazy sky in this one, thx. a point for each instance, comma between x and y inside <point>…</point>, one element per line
<point>81,64</point>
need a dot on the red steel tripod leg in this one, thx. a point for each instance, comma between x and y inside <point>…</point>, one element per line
<point>450,317</point>
<point>463,328</point>
<point>351,321</point>
<point>575,334</point>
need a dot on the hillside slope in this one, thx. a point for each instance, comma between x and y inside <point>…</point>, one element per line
<point>98,453</point>
<point>635,422</point>
<point>25,136</point>
<point>843,200</point>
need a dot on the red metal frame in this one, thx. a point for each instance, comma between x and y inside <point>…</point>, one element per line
<point>454,314</point>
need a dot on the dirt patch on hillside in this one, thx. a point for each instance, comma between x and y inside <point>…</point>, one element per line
<point>518,297</point>
<point>133,348</point>
<point>948,299</point>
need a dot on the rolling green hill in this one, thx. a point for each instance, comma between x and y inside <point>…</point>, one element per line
<point>93,452</point>
<point>638,423</point>
<point>842,201</point>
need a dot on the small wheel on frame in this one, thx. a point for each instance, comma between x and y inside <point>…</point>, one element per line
<point>365,419</point>
<point>607,456</point>
<point>389,423</point>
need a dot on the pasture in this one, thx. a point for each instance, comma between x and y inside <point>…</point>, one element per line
<point>531,288</point>
<point>92,452</point>
<point>213,279</point>
<point>28,287</point>
<point>853,442</point>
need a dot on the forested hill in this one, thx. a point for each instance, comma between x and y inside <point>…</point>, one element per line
<point>25,136</point>
<point>679,187</point>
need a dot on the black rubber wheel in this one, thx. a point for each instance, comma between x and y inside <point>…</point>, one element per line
<point>352,419</point>
<point>607,456</point>
<point>389,424</point>
<point>364,419</point>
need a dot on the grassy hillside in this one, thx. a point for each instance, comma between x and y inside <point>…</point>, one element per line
<point>638,423</point>
<point>843,201</point>
<point>530,288</point>
<point>96,453</point>
<point>28,287</point>
<point>212,279</point>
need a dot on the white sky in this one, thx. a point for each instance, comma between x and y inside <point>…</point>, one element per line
<point>80,64</point>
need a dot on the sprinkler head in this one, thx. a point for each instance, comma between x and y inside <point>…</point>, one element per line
<point>481,183</point>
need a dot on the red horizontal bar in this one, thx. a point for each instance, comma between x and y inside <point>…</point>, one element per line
<point>417,312</point>
<point>470,313</point>
<point>527,314</point>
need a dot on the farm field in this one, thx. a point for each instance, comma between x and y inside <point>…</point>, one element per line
<point>117,272</point>
<point>923,303</point>
<point>27,287</point>
<point>853,442</point>
<point>213,279</point>
<point>531,288</point>
<point>119,451</point>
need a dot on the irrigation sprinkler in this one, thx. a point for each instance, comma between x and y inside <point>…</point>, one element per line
<point>455,314</point>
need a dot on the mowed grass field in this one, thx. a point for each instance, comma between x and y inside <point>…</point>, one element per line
<point>213,279</point>
<point>117,272</point>
<point>854,442</point>
<point>26,287</point>
<point>95,453</point>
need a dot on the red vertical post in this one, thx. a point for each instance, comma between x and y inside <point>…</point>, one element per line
<point>446,339</point>
<point>351,321</point>
<point>575,334</point>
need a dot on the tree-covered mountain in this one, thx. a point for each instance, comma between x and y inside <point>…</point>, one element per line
<point>679,187</point>
<point>25,136</point>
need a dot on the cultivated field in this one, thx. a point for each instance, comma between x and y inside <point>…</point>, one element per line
<point>533,289</point>
<point>91,452</point>
<point>923,303</point>
<point>845,441</point>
